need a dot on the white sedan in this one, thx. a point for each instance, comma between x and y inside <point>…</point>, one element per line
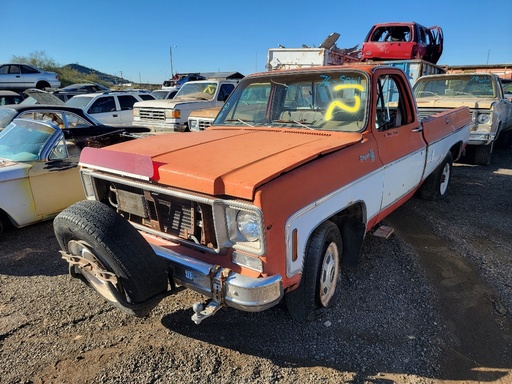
<point>22,76</point>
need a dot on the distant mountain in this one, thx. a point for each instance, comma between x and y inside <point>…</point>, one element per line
<point>102,76</point>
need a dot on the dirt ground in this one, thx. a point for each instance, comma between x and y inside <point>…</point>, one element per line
<point>432,304</point>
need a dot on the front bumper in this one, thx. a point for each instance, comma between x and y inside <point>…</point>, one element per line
<point>160,125</point>
<point>222,285</point>
<point>481,138</point>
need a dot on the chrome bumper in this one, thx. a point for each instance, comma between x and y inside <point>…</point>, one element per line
<point>222,285</point>
<point>481,138</point>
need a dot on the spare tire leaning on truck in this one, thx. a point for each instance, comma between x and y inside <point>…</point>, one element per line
<point>111,256</point>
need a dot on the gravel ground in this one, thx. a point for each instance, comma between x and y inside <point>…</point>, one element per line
<point>431,304</point>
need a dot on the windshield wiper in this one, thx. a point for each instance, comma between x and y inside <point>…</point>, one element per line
<point>241,121</point>
<point>293,121</point>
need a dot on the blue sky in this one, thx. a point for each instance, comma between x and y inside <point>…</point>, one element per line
<point>133,38</point>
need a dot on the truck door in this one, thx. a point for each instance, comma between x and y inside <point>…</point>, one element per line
<point>402,149</point>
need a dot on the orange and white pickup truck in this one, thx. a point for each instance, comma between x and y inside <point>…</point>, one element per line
<point>266,204</point>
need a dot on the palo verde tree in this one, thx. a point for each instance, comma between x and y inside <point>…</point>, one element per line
<point>37,59</point>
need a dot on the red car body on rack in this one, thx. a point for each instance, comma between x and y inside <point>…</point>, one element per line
<point>403,41</point>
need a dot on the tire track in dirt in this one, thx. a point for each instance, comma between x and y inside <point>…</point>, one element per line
<point>478,346</point>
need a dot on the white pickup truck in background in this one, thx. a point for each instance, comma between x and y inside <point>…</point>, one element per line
<point>491,111</point>
<point>172,114</point>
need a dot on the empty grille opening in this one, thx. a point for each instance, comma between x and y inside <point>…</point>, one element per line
<point>178,217</point>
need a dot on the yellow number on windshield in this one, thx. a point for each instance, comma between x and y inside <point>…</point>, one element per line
<point>210,89</point>
<point>341,105</point>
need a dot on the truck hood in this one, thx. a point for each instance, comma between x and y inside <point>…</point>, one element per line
<point>218,161</point>
<point>447,102</point>
<point>168,103</point>
<point>11,170</point>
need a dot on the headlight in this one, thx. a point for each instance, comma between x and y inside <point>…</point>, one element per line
<point>172,113</point>
<point>136,112</point>
<point>483,118</point>
<point>248,225</point>
<point>245,230</point>
<point>193,124</point>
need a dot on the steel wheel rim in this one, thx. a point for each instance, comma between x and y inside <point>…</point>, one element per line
<point>81,249</point>
<point>445,178</point>
<point>329,274</point>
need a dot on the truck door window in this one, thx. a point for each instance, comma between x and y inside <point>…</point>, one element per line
<point>390,111</point>
<point>225,91</point>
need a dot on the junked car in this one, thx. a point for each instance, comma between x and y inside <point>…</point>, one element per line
<point>491,111</point>
<point>113,108</point>
<point>507,88</point>
<point>38,96</point>
<point>39,174</point>
<point>23,76</point>
<point>403,41</point>
<point>69,91</point>
<point>67,118</point>
<point>10,97</point>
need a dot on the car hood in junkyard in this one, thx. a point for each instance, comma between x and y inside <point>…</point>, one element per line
<point>168,103</point>
<point>217,161</point>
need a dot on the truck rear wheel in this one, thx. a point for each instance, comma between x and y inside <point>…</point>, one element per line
<point>320,285</point>
<point>435,187</point>
<point>108,254</point>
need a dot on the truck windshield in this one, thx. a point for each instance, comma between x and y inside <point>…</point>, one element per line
<point>197,91</point>
<point>455,86</point>
<point>304,101</point>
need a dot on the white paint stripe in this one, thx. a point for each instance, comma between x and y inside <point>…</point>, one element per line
<point>369,191</point>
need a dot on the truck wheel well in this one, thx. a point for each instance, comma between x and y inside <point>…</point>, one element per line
<point>352,225</point>
<point>456,151</point>
<point>5,221</point>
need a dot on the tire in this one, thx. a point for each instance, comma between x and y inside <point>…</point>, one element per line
<point>320,285</point>
<point>435,187</point>
<point>124,270</point>
<point>482,154</point>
